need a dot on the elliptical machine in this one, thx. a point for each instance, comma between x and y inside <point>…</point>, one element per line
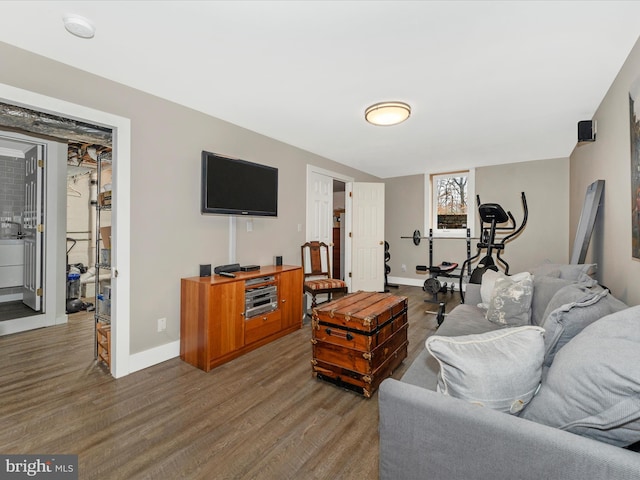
<point>492,215</point>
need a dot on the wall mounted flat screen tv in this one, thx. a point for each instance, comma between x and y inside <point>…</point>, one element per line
<point>237,187</point>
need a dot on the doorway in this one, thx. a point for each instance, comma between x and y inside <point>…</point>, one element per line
<point>30,292</point>
<point>121,128</point>
<point>12,207</point>
<point>326,216</point>
<point>362,251</point>
<point>339,229</point>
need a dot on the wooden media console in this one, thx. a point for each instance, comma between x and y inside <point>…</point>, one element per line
<point>213,326</point>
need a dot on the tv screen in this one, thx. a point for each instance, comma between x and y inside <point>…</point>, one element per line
<point>237,187</point>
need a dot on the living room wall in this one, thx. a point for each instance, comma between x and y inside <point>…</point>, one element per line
<point>169,236</point>
<point>608,158</point>
<point>544,239</point>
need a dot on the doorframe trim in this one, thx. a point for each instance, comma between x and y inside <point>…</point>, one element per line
<point>121,232</point>
<point>314,169</point>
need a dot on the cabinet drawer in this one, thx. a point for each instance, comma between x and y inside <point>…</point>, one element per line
<point>261,326</point>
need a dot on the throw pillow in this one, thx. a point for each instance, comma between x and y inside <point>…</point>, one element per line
<point>486,287</point>
<point>489,282</point>
<point>500,369</point>
<point>570,310</point>
<point>593,386</point>
<point>510,303</point>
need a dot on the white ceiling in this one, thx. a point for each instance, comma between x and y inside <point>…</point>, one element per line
<point>489,82</point>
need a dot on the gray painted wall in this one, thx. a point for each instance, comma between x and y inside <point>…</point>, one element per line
<point>544,239</point>
<point>169,237</point>
<point>608,158</point>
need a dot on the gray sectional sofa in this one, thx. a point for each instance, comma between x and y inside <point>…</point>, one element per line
<point>582,350</point>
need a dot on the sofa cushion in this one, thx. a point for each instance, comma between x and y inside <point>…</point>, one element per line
<point>499,369</point>
<point>570,310</point>
<point>593,386</point>
<point>510,303</point>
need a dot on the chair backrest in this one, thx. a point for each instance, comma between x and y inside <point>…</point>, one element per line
<point>315,259</point>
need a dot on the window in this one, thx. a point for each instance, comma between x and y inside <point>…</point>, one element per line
<point>453,203</point>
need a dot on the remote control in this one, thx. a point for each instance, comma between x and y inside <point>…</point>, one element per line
<point>227,274</point>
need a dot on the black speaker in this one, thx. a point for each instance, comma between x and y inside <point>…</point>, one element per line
<point>277,260</point>
<point>586,131</point>
<point>205,270</point>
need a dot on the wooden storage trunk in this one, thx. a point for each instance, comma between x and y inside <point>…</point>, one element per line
<point>359,340</point>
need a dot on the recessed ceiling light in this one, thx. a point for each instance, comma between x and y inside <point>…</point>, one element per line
<point>79,26</point>
<point>387,113</point>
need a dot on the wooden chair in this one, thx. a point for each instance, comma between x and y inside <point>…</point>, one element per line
<point>317,272</point>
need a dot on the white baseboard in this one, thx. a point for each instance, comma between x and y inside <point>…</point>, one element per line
<point>153,356</point>
<point>414,282</point>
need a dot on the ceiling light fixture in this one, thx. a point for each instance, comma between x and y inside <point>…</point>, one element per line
<point>387,113</point>
<point>79,26</point>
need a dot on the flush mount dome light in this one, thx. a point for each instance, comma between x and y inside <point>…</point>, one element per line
<point>79,26</point>
<point>387,113</point>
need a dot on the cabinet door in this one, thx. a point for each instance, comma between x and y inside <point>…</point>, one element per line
<point>226,318</point>
<point>290,293</point>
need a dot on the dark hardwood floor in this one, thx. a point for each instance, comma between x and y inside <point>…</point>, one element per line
<point>261,416</point>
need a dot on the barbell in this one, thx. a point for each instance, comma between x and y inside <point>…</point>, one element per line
<point>416,237</point>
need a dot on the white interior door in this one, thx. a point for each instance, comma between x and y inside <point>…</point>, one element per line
<point>33,231</point>
<point>320,211</point>
<point>319,207</point>
<point>365,206</point>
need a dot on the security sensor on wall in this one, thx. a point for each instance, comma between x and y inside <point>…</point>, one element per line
<point>587,131</point>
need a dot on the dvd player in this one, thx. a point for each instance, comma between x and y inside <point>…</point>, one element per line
<point>260,300</point>
<point>250,268</point>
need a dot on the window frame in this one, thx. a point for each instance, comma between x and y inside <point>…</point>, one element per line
<point>432,205</point>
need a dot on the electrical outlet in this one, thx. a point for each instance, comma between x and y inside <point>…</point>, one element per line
<point>162,324</point>
<point>404,267</point>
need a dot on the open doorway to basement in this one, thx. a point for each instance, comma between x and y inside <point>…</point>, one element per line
<point>36,219</point>
<point>339,229</point>
<point>119,127</point>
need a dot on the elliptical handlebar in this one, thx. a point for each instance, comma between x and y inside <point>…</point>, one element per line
<point>524,219</point>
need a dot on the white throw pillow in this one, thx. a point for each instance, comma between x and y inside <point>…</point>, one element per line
<point>510,304</point>
<point>489,282</point>
<point>486,287</point>
<point>500,369</point>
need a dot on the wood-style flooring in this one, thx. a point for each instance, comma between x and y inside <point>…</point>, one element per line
<point>261,416</point>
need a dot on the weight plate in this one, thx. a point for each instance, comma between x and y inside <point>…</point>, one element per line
<point>416,237</point>
<point>431,285</point>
